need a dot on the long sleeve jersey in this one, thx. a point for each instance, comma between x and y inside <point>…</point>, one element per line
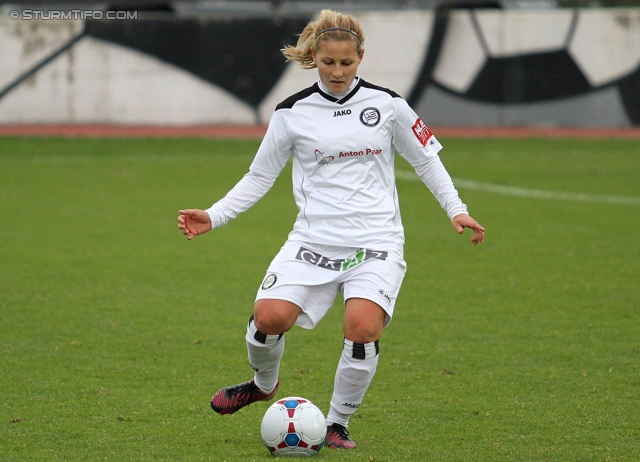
<point>343,151</point>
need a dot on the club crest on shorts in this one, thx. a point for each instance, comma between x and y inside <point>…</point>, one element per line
<point>370,116</point>
<point>269,281</point>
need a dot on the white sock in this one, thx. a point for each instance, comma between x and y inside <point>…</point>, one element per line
<point>265,353</point>
<point>355,371</point>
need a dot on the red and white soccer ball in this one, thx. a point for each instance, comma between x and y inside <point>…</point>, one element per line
<point>293,426</point>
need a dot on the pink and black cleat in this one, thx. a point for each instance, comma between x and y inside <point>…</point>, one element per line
<point>229,400</point>
<point>338,437</point>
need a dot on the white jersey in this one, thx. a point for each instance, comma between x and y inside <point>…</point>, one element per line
<point>343,166</point>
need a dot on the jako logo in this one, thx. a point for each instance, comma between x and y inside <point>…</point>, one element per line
<point>384,295</point>
<point>352,406</point>
<point>342,113</point>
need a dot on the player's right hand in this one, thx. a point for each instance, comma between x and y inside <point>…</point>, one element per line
<point>193,222</point>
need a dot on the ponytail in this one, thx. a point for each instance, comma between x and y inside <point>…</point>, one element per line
<point>331,26</point>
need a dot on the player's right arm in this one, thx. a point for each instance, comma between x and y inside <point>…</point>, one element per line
<point>244,194</point>
<point>272,155</point>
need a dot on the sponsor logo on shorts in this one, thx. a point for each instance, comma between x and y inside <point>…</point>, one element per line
<point>385,295</point>
<point>269,281</point>
<point>340,264</point>
<point>370,116</point>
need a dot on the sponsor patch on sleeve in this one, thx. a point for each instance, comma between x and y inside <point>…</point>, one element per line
<point>421,131</point>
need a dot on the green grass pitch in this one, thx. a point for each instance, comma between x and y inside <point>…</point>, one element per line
<point>115,331</point>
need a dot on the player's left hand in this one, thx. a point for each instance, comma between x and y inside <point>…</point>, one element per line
<point>462,221</point>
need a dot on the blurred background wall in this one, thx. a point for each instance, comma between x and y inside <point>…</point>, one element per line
<point>463,63</point>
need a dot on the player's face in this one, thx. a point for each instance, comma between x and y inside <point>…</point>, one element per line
<point>337,63</point>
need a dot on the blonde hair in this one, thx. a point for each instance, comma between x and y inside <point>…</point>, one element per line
<point>311,37</point>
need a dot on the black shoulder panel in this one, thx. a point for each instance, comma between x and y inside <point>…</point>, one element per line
<point>293,99</point>
<point>392,93</point>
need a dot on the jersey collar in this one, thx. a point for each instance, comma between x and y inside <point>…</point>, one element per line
<point>342,97</point>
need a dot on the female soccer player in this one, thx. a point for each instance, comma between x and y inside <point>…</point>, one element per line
<point>342,133</point>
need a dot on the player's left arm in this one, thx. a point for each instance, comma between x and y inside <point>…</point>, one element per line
<point>415,142</point>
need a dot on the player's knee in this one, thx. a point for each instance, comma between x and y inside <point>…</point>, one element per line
<point>258,337</point>
<point>269,323</point>
<point>366,333</point>
<point>363,329</point>
<point>274,318</point>
<point>363,321</point>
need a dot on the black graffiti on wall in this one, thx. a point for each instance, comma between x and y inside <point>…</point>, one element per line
<point>527,78</point>
<point>241,55</point>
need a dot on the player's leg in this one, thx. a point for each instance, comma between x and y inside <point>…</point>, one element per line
<point>294,291</point>
<point>265,345</point>
<point>265,339</point>
<point>370,291</point>
<point>363,323</point>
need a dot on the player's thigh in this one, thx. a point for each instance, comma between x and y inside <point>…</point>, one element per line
<point>377,281</point>
<point>309,287</point>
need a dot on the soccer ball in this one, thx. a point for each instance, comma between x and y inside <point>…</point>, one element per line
<point>293,426</point>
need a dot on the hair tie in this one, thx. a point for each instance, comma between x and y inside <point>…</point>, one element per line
<point>341,29</point>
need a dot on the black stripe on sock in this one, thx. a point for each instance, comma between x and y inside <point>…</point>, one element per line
<point>260,337</point>
<point>358,351</point>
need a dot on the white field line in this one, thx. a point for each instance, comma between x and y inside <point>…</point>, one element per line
<point>534,193</point>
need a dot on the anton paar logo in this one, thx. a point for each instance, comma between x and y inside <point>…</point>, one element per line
<point>370,116</point>
<point>321,159</point>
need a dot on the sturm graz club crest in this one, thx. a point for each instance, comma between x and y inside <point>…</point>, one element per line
<point>269,281</point>
<point>370,116</point>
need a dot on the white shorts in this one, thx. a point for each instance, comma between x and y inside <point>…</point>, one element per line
<point>311,276</point>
